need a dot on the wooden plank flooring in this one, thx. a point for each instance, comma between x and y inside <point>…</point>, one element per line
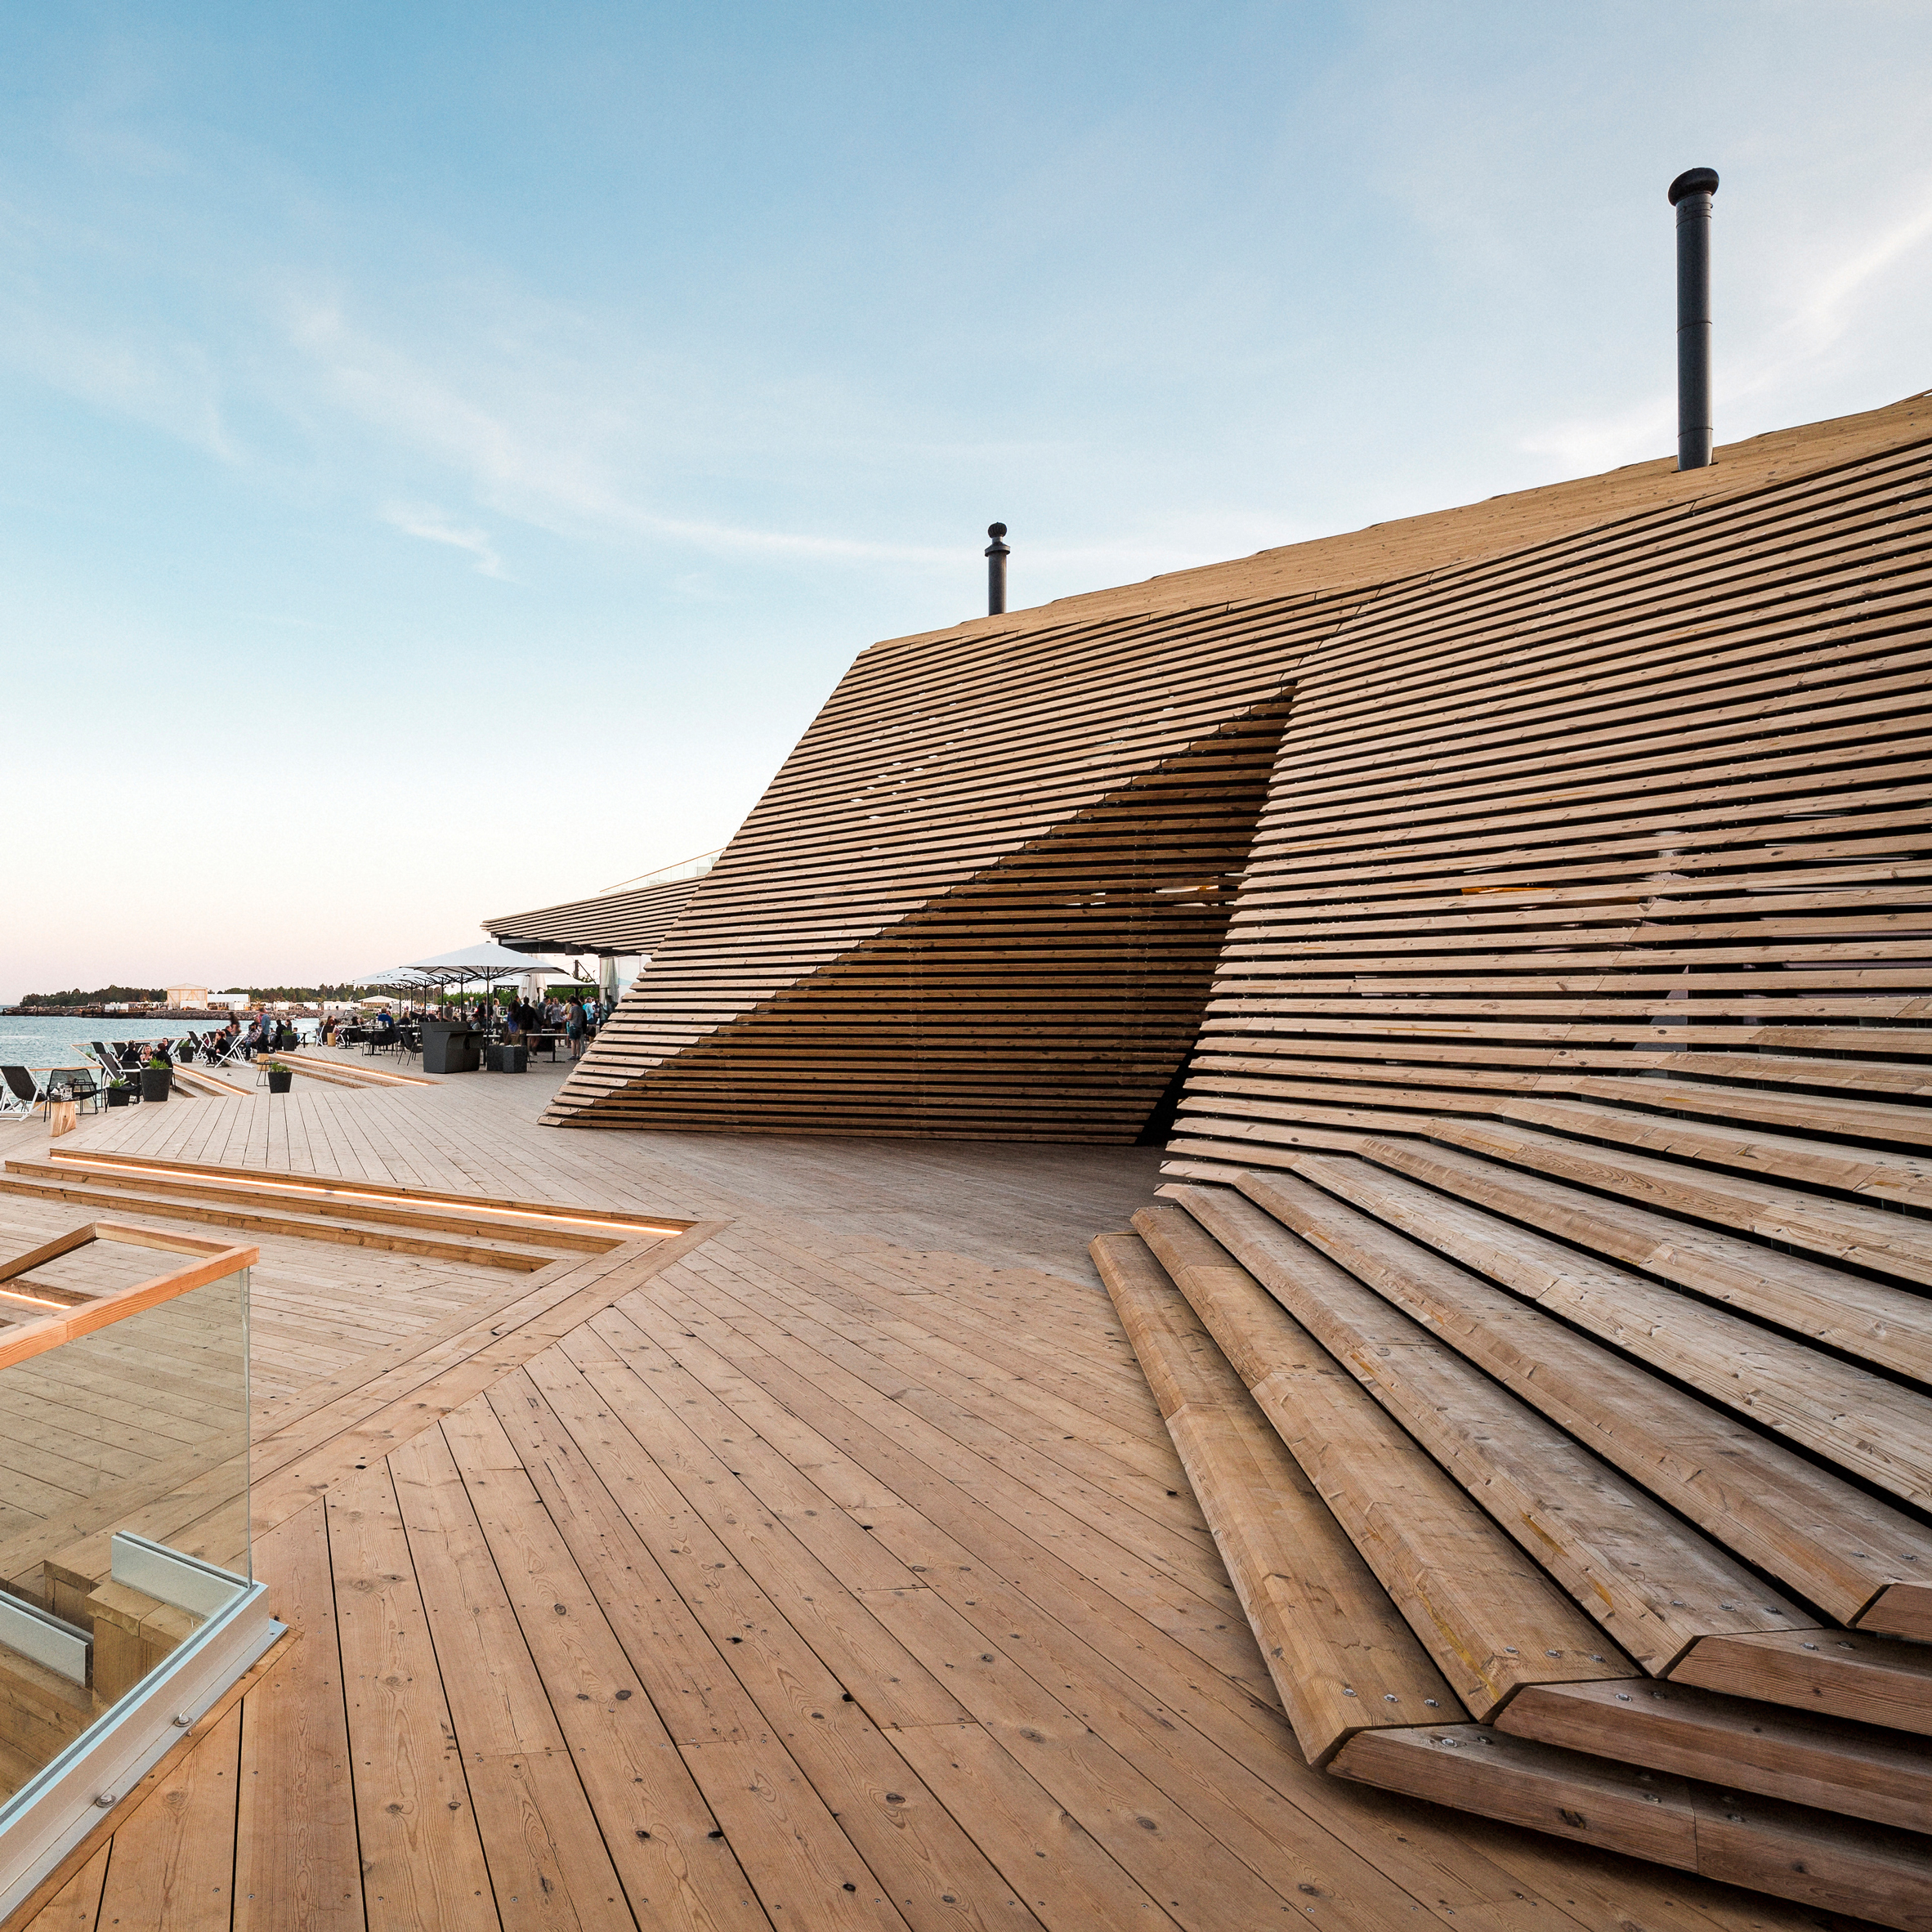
<point>836,1571</point>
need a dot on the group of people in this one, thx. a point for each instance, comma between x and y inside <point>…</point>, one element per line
<point>575,1019</point>
<point>267,1033</point>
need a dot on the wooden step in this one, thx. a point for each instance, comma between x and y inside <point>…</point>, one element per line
<point>334,1188</point>
<point>1856,1232</point>
<point>1859,1422</point>
<point>1879,1175</point>
<point>133,1632</point>
<point>41,1711</point>
<point>1787,1850</point>
<point>353,1072</point>
<point>1827,1763</point>
<point>1877,1680</point>
<point>1487,1616</point>
<point>1769,1506</point>
<point>1831,1116</point>
<point>1654,1584</point>
<point>482,1254</point>
<point>197,1080</point>
<point>335,1207</point>
<point>1889,1326</point>
<point>1338,1653</point>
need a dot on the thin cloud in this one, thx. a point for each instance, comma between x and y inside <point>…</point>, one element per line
<point>433,527</point>
<point>540,474</point>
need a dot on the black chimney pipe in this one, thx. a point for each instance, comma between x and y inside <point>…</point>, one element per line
<point>1690,195</point>
<point>996,556</point>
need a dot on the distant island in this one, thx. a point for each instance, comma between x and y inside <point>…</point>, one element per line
<point>78,1001</point>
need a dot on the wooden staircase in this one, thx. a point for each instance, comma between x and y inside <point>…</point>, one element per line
<point>1638,1559</point>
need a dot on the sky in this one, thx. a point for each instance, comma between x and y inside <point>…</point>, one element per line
<point>448,453</point>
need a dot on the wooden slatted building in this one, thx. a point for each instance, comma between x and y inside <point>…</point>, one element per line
<point>987,894</point>
<point>1521,917</point>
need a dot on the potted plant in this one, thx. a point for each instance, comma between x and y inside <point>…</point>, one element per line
<point>119,1092</point>
<point>156,1078</point>
<point>280,1078</point>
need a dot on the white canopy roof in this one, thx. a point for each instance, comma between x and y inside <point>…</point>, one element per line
<point>481,959</point>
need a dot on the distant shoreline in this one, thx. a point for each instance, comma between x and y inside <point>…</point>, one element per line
<point>146,1013</point>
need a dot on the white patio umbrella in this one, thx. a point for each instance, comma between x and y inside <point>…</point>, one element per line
<point>481,959</point>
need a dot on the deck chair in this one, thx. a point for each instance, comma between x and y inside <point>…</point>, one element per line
<point>22,1093</point>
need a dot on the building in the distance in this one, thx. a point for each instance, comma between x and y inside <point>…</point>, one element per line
<point>196,997</point>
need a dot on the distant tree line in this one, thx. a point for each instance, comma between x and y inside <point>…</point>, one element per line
<point>152,995</point>
<point>101,997</point>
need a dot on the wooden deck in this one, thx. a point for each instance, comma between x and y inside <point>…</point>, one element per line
<point>826,1566</point>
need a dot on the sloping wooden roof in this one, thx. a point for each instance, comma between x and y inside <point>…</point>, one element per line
<point>986,893</point>
<point>615,923</point>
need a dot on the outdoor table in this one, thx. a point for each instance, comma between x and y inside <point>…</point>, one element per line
<point>451,1047</point>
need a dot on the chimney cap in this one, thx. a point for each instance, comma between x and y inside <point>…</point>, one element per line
<point>995,531</point>
<point>1693,180</point>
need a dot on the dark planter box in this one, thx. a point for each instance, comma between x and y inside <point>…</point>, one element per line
<point>119,1096</point>
<point>280,1083</point>
<point>155,1081</point>
<point>449,1048</point>
<point>509,1059</point>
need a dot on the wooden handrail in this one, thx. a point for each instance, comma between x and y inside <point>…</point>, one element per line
<point>88,1317</point>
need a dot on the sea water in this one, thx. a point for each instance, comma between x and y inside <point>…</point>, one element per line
<point>26,1040</point>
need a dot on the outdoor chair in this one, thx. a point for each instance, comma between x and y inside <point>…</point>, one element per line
<point>76,1083</point>
<point>385,1040</point>
<point>22,1094</point>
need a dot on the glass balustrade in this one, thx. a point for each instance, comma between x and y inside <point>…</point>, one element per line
<point>127,1597</point>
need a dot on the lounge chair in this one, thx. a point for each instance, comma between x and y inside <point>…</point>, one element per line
<point>24,1093</point>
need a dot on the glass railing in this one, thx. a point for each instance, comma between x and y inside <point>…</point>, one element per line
<point>127,1597</point>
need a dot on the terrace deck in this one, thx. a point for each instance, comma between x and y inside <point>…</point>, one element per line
<point>826,1565</point>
